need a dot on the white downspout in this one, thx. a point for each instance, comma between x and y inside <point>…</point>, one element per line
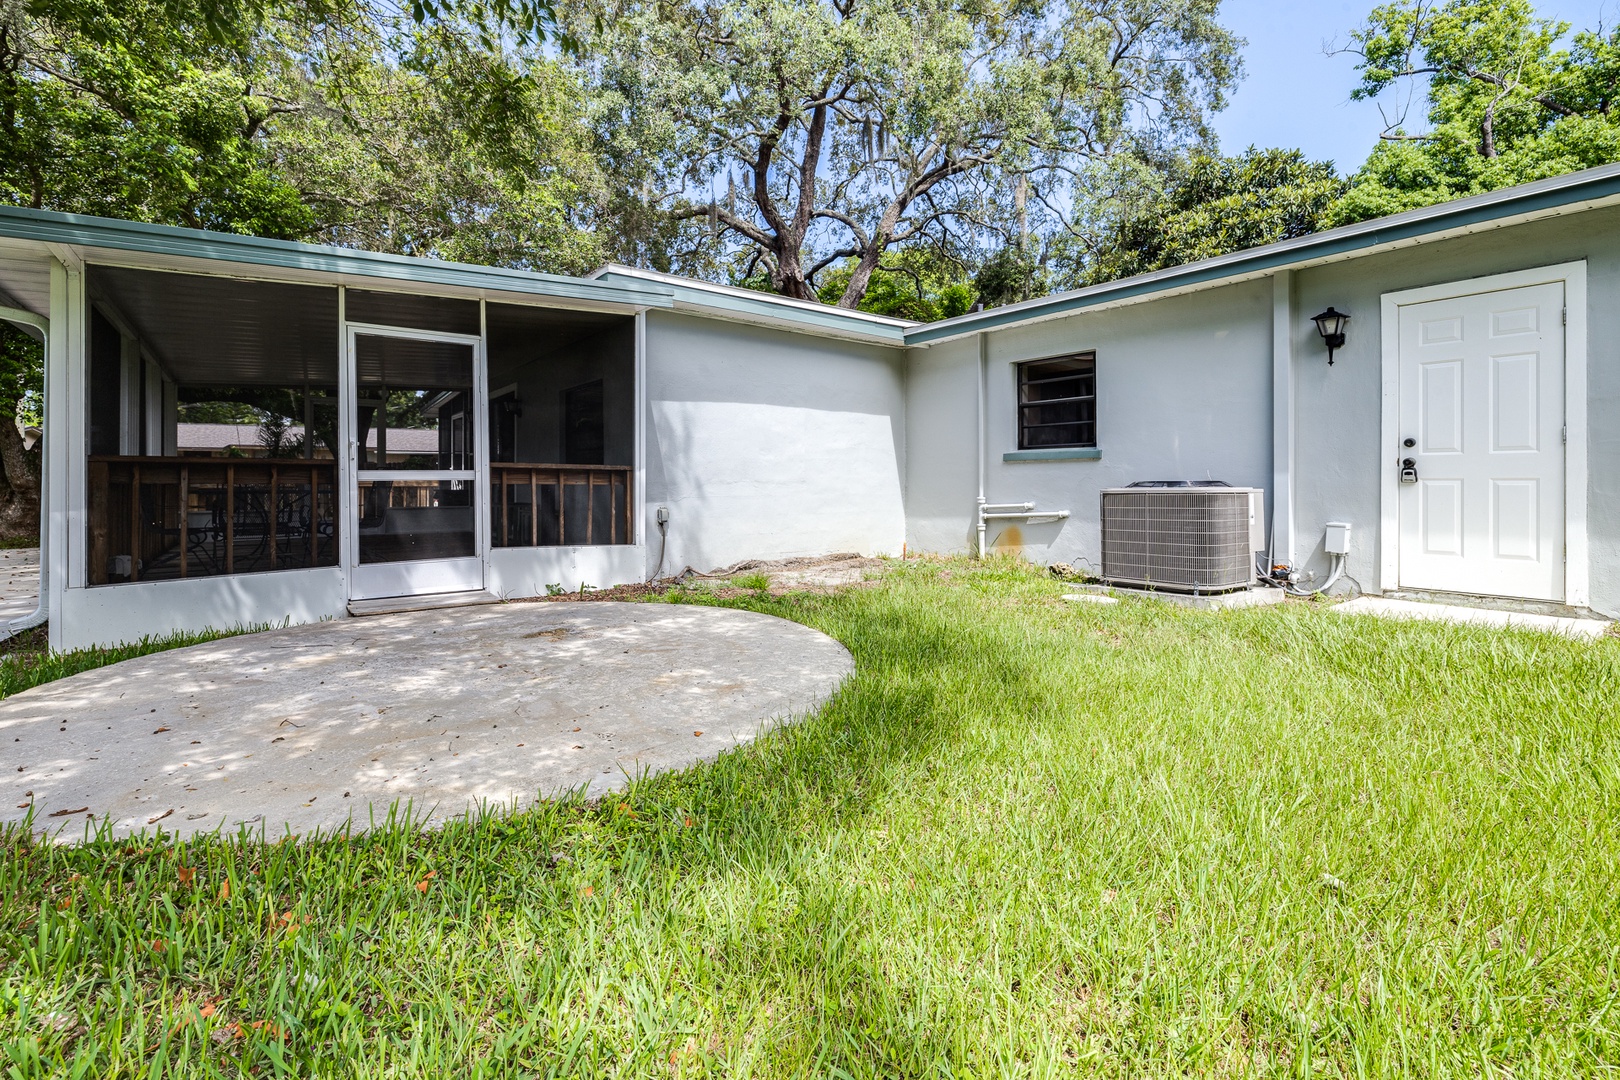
<point>1281,548</point>
<point>41,608</point>
<point>983,448</point>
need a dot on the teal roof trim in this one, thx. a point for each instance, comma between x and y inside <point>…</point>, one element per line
<point>79,230</point>
<point>1544,195</point>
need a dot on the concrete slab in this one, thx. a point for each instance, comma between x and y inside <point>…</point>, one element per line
<point>1412,609</point>
<point>393,605</point>
<point>19,582</point>
<point>312,727</point>
<point>1240,598</point>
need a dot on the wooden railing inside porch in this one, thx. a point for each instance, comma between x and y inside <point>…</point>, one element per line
<point>551,505</point>
<point>162,518</point>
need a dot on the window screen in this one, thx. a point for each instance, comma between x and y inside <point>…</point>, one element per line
<point>1057,403</point>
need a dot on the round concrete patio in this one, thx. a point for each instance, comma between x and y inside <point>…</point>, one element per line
<point>312,727</point>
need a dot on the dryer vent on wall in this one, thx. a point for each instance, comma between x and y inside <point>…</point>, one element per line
<point>1182,536</point>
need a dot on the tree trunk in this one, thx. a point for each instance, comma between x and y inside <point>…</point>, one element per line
<point>788,277</point>
<point>861,277</point>
<point>19,489</point>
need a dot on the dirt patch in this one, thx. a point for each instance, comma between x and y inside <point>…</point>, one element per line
<point>815,574</point>
<point>27,647</point>
<point>556,633</point>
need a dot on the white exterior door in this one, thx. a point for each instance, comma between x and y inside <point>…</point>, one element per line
<point>417,483</point>
<point>1482,423</point>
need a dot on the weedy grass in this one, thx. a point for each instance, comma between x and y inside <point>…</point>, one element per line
<point>1026,839</point>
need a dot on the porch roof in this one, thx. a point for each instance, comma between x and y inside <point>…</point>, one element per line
<point>80,237</point>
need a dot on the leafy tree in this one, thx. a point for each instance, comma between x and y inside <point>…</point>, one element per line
<point>22,368</point>
<point>911,283</point>
<point>1210,205</point>
<point>131,108</point>
<point>797,135</point>
<point>442,132</point>
<point>425,142</point>
<point>1009,276</point>
<point>1505,104</point>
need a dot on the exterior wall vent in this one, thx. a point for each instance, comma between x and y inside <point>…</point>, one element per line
<point>1181,536</point>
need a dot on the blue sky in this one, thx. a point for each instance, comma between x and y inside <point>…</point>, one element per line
<point>1297,96</point>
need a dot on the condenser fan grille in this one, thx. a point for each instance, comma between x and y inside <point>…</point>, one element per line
<point>1183,539</point>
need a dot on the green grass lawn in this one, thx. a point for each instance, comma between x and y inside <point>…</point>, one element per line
<point>1027,838</point>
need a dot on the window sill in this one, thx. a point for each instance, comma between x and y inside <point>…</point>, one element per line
<point>1068,453</point>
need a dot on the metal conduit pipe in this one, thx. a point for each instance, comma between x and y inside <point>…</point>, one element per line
<point>28,319</point>
<point>1031,515</point>
<point>988,512</point>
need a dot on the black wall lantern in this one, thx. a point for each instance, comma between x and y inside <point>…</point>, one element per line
<point>1330,324</point>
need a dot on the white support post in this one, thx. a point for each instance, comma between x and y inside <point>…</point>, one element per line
<point>65,441</point>
<point>344,454</point>
<point>171,418</point>
<point>129,396</point>
<point>1282,417</point>
<point>983,448</point>
<point>639,512</point>
<point>152,405</point>
<point>478,417</point>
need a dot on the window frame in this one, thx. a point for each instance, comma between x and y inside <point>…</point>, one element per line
<point>1022,380</point>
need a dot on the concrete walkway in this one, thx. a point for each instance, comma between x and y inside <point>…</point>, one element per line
<point>1471,616</point>
<point>316,726</point>
<point>19,583</point>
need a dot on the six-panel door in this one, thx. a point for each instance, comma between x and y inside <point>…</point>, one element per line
<point>1482,404</point>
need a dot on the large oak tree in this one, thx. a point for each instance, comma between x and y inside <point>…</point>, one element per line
<point>803,134</point>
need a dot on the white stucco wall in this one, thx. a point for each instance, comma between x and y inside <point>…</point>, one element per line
<point>112,614</point>
<point>1183,392</point>
<point>1337,440</point>
<point>531,571</point>
<point>768,444</point>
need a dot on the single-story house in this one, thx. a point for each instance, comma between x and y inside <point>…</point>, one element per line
<point>1464,439</point>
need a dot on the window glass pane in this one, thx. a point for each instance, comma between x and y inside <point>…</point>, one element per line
<point>1066,413</point>
<point>1057,403</point>
<point>1062,435</point>
<point>1054,388</point>
<point>213,418</point>
<point>415,519</point>
<point>444,313</point>
<point>424,390</point>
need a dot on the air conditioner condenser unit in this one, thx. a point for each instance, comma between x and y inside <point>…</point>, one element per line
<point>1182,537</point>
